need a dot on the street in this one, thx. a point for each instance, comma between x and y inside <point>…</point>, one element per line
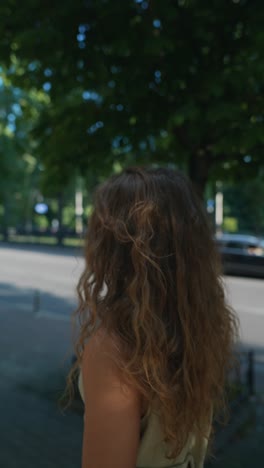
<point>37,296</point>
<point>36,300</point>
<point>40,280</point>
<point>246,295</point>
<point>44,282</point>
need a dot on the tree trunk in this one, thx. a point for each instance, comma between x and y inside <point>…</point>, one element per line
<point>5,218</point>
<point>199,173</point>
<point>60,213</point>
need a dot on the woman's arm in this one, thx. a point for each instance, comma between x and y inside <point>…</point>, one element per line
<point>112,410</point>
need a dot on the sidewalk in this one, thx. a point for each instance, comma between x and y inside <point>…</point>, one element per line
<point>34,359</point>
<point>246,450</point>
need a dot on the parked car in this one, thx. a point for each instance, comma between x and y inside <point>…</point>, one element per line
<point>242,254</point>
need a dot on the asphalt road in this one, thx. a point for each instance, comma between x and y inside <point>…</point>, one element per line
<point>41,280</point>
<point>37,297</point>
<point>44,280</point>
<point>246,295</point>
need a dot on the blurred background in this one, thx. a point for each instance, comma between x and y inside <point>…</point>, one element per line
<point>88,87</point>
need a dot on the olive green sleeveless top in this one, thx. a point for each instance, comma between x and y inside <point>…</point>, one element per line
<point>153,450</point>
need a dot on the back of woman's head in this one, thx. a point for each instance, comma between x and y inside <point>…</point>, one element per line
<point>152,279</point>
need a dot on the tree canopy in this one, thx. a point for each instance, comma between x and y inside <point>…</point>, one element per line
<point>142,81</point>
<point>245,206</point>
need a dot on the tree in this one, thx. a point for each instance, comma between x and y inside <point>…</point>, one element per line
<point>142,81</point>
<point>19,169</point>
<point>245,204</point>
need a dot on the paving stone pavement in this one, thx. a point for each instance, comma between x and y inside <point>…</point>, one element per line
<point>35,354</point>
<point>246,450</point>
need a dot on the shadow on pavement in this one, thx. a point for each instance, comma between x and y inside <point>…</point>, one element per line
<point>35,301</point>
<point>35,356</point>
<point>47,249</point>
<point>245,447</point>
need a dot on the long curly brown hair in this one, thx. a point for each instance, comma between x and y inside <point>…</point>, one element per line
<point>153,280</point>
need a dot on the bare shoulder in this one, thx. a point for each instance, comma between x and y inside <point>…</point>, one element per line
<point>101,342</point>
<point>112,408</point>
<point>101,350</point>
<point>100,367</point>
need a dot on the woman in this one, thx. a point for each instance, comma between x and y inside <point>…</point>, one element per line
<point>156,334</point>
